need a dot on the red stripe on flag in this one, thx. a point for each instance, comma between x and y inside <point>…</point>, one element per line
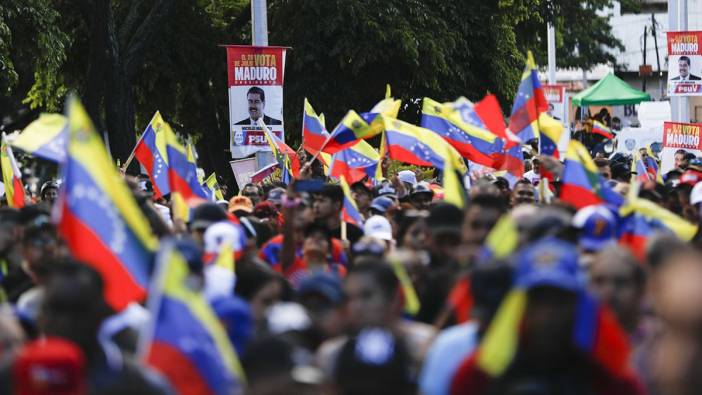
<point>18,189</point>
<point>397,152</point>
<point>143,154</point>
<point>180,371</point>
<point>578,196</point>
<point>313,142</point>
<point>86,246</point>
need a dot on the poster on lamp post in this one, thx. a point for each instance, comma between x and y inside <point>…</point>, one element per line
<point>255,84</point>
<point>685,63</point>
<point>679,136</point>
<point>558,110</point>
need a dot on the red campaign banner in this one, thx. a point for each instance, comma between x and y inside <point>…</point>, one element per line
<point>685,63</point>
<point>554,93</point>
<point>682,135</point>
<point>255,77</point>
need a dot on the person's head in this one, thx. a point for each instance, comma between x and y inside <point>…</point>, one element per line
<point>679,156</point>
<point>322,296</point>
<point>603,168</point>
<point>482,214</point>
<point>381,205</point>
<point>316,247</point>
<point>536,164</point>
<point>488,286</point>
<point>421,196</point>
<point>523,192</point>
<point>375,361</point>
<point>684,66</point>
<point>362,195</point>
<point>373,295</point>
<point>674,285</point>
<point>618,280</point>
<point>73,307</point>
<point>548,270</point>
<point>412,230</point>
<point>685,162</point>
<point>252,192</point>
<point>275,196</point>
<point>257,102</point>
<point>328,202</point>
<point>40,245</point>
<point>379,227</point>
<point>616,123</point>
<point>49,192</point>
<point>444,223</point>
<point>597,228</point>
<point>202,217</point>
<point>240,206</point>
<point>10,230</point>
<point>261,287</point>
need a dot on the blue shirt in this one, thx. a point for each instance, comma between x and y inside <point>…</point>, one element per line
<point>445,355</point>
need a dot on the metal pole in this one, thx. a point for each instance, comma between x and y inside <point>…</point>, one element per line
<point>643,75</point>
<point>677,21</point>
<point>658,58</point>
<point>259,23</point>
<point>551,41</point>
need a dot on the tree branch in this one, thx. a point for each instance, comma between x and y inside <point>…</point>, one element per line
<point>134,53</point>
<point>130,22</point>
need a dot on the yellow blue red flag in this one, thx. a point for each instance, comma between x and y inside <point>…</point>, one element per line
<point>45,138</point>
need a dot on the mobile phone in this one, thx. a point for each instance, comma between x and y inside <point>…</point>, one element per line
<point>308,185</point>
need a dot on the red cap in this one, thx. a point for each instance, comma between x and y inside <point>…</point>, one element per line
<point>51,366</point>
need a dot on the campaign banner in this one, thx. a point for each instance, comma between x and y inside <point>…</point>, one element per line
<point>558,110</point>
<point>267,175</point>
<point>678,136</point>
<point>243,169</point>
<point>685,63</point>
<point>255,83</point>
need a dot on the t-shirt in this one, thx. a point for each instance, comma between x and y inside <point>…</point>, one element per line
<point>450,348</point>
<point>270,253</point>
<point>532,177</point>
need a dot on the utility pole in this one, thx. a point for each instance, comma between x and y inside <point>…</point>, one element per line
<point>259,23</point>
<point>658,58</point>
<point>643,75</point>
<point>551,42</point>
<point>677,22</point>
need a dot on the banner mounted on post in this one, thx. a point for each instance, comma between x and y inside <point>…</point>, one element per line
<point>676,136</point>
<point>558,110</point>
<point>255,83</point>
<point>685,63</point>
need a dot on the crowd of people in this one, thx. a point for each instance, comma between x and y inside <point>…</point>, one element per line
<point>413,300</point>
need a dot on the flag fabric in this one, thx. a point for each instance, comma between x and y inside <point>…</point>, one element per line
<point>639,170</point>
<point>529,103</point>
<point>412,303</point>
<point>502,240</point>
<point>150,151</point>
<point>212,187</point>
<point>490,113</point>
<point>11,176</point>
<point>285,156</point>
<point>186,190</point>
<point>45,138</point>
<point>355,162</point>
<point>650,210</point>
<point>499,346</point>
<point>460,125</point>
<point>602,129</point>
<point>186,342</point>
<point>349,212</point>
<point>98,216</point>
<point>454,189</point>
<point>418,146</point>
<point>550,134</point>
<point>581,183</point>
<point>314,133</point>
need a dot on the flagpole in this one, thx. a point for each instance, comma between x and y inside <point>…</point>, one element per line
<point>131,157</point>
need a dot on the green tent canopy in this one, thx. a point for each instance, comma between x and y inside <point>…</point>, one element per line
<point>610,91</point>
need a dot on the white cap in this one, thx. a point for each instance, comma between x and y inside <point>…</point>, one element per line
<point>407,176</point>
<point>379,227</point>
<point>696,194</point>
<point>222,232</point>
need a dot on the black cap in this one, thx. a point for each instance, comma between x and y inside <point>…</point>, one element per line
<point>206,214</point>
<point>445,218</point>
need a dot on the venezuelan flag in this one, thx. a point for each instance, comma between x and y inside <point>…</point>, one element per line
<point>658,215</point>
<point>150,151</point>
<point>186,342</point>
<point>182,170</point>
<point>286,156</point>
<point>454,188</point>
<point>355,163</point>
<point>212,187</point>
<point>98,216</point>
<point>314,133</point>
<point>581,183</point>
<point>11,176</point>
<point>529,103</point>
<point>551,131</point>
<point>602,129</point>
<point>418,146</point>
<point>349,212</point>
<point>489,112</point>
<point>45,138</point>
<point>460,125</point>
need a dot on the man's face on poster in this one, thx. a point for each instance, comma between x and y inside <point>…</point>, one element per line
<point>256,106</point>
<point>684,68</point>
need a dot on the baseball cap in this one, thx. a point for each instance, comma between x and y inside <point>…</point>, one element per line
<point>696,194</point>
<point>381,203</point>
<point>275,195</point>
<point>407,176</point>
<point>548,262</point>
<point>240,203</point>
<point>206,214</point>
<point>322,283</point>
<point>386,190</point>
<point>47,185</point>
<point>422,187</point>
<point>50,366</point>
<point>379,227</point>
<point>597,227</point>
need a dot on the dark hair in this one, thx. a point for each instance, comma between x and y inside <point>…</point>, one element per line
<point>685,59</point>
<point>258,91</point>
<point>319,228</point>
<point>689,156</point>
<point>523,181</point>
<point>489,202</point>
<point>405,220</point>
<point>332,191</point>
<point>251,278</point>
<point>380,271</point>
<point>601,162</point>
<point>681,151</point>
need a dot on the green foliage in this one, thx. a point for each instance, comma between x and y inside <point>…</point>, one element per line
<point>32,43</point>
